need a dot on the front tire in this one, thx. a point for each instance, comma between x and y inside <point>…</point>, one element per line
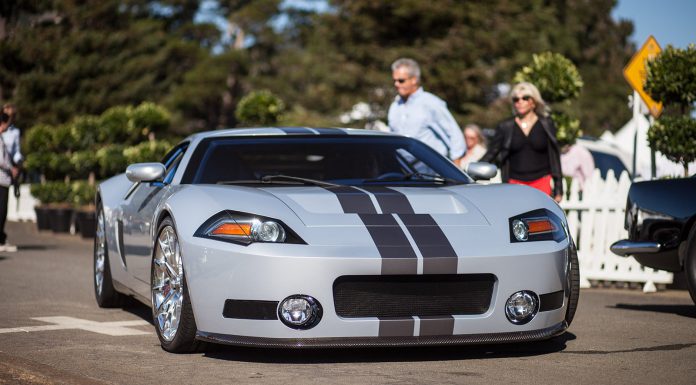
<point>104,291</point>
<point>574,284</point>
<point>171,306</point>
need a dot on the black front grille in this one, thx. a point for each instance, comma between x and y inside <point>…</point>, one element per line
<point>412,295</point>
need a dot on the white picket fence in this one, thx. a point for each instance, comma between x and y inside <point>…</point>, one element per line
<point>596,221</point>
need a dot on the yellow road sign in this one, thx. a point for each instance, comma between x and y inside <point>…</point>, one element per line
<point>636,72</point>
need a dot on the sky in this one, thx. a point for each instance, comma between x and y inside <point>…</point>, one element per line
<point>669,21</point>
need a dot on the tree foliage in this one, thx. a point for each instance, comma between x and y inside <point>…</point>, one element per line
<point>66,58</point>
<point>671,78</point>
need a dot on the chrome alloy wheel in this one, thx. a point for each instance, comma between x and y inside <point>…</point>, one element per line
<point>100,254</point>
<point>167,283</point>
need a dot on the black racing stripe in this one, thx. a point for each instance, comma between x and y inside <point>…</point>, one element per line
<point>390,201</point>
<point>396,326</point>
<point>330,131</point>
<point>439,256</point>
<point>296,130</point>
<point>398,257</point>
<point>353,201</point>
<point>436,326</point>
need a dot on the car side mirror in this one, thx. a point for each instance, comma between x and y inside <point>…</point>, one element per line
<point>481,170</point>
<point>145,172</point>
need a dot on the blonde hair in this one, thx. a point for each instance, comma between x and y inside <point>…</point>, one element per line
<point>530,89</point>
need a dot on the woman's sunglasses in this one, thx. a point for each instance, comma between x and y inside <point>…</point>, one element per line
<point>526,98</point>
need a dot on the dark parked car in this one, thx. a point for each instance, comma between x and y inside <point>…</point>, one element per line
<point>660,216</point>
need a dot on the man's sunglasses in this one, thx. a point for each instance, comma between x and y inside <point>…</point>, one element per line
<point>400,81</point>
<point>526,98</point>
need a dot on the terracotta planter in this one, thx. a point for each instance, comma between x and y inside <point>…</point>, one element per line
<point>42,221</point>
<point>60,219</point>
<point>86,222</point>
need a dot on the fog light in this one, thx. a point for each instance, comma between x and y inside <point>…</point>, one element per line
<point>521,307</point>
<point>520,230</point>
<point>300,312</point>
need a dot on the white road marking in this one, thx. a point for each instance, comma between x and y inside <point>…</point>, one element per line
<point>117,328</point>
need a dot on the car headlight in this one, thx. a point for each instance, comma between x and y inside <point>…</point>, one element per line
<point>537,225</point>
<point>245,229</point>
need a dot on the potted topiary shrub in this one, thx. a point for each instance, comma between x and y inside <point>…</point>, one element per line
<point>41,193</point>
<point>60,210</point>
<point>83,194</point>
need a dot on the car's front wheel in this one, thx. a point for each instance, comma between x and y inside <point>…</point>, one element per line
<point>574,284</point>
<point>104,290</point>
<point>171,305</point>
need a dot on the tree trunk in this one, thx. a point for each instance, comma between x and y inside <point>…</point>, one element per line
<point>686,169</point>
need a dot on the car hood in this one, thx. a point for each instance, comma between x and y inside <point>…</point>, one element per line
<point>317,206</point>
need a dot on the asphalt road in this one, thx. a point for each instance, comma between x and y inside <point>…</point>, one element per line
<point>618,336</point>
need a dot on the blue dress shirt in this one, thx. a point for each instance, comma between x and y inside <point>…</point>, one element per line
<point>425,117</point>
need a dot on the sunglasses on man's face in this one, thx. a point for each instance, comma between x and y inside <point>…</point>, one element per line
<point>400,81</point>
<point>516,99</point>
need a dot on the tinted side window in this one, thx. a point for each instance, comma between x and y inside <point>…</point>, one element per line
<point>171,161</point>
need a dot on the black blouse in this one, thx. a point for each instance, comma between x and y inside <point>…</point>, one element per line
<point>529,155</point>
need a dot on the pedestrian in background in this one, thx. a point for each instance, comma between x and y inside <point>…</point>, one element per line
<point>422,115</point>
<point>525,146</point>
<point>475,145</point>
<point>577,163</point>
<point>10,162</point>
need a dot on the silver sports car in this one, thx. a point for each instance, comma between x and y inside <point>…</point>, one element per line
<point>306,237</point>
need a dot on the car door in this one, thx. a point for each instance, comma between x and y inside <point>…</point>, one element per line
<point>138,210</point>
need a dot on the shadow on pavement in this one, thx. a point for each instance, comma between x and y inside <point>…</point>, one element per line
<point>34,247</point>
<point>328,356</point>
<point>682,310</point>
<point>138,309</point>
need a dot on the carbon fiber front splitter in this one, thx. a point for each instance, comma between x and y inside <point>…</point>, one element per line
<point>358,342</point>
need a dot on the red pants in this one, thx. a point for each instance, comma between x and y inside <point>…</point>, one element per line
<point>543,183</point>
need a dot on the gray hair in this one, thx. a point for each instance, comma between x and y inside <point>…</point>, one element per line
<point>530,89</point>
<point>410,65</point>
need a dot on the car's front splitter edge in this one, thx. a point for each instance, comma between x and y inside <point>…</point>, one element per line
<point>358,342</point>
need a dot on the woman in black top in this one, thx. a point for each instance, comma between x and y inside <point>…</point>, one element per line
<point>525,146</point>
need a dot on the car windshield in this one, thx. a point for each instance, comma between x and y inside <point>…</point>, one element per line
<point>344,160</point>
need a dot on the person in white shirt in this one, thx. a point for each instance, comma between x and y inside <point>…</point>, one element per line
<point>10,163</point>
<point>422,115</point>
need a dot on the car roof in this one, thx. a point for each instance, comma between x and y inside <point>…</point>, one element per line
<point>293,131</point>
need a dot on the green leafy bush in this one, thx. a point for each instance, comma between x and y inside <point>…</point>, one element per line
<point>568,128</point>
<point>52,192</point>
<point>83,193</point>
<point>671,76</point>
<point>259,108</point>
<point>83,163</point>
<point>675,137</point>
<point>113,125</point>
<point>38,139</point>
<point>85,132</point>
<point>111,160</point>
<point>150,151</point>
<point>146,118</point>
<point>554,75</point>
<point>62,139</point>
<point>671,79</point>
<point>58,166</point>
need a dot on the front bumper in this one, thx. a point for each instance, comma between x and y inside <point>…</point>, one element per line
<point>217,272</point>
<point>625,248</point>
<point>366,342</point>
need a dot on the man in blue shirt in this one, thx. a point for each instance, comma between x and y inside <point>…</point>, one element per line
<point>422,115</point>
